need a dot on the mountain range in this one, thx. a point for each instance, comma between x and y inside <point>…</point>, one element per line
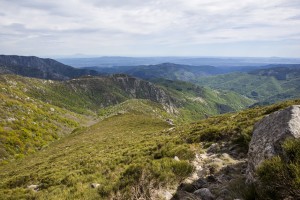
<point>227,62</point>
<point>169,71</point>
<point>135,132</point>
<point>32,66</point>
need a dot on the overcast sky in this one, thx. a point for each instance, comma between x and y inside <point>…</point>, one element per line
<point>150,27</point>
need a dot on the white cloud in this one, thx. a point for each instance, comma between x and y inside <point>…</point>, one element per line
<point>115,27</point>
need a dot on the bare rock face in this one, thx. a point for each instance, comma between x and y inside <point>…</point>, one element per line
<point>268,136</point>
<point>140,89</point>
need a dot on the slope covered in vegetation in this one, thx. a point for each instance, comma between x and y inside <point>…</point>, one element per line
<point>35,112</point>
<point>265,85</point>
<point>43,68</point>
<point>114,153</point>
<point>28,124</point>
<point>129,154</point>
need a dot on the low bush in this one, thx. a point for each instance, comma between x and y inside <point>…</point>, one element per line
<point>279,177</point>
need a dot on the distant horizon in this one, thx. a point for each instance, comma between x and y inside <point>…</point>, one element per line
<point>170,56</point>
<point>83,56</point>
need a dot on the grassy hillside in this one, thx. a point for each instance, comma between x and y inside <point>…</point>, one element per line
<point>265,89</point>
<point>141,106</point>
<point>87,95</point>
<point>117,153</point>
<point>35,112</point>
<point>32,66</point>
<point>201,102</point>
<point>232,127</point>
<point>28,124</point>
<point>130,154</point>
<point>253,86</point>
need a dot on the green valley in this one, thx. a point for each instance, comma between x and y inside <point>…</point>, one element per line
<point>35,112</point>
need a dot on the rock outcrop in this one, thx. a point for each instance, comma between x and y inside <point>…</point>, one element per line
<point>268,136</point>
<point>204,193</point>
<point>117,88</point>
<point>140,89</point>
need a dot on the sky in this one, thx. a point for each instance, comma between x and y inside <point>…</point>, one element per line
<point>251,28</point>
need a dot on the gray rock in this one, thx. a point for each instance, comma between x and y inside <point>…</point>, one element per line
<point>268,136</point>
<point>200,183</point>
<point>176,158</point>
<point>33,187</point>
<point>187,187</point>
<point>183,195</point>
<point>167,195</point>
<point>170,122</point>
<point>224,194</point>
<point>214,148</point>
<point>204,194</point>
<point>95,185</point>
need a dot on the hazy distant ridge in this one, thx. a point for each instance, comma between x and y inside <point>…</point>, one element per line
<point>44,68</point>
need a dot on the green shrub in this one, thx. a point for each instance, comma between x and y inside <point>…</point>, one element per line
<point>105,190</point>
<point>243,139</point>
<point>279,177</point>
<point>167,170</point>
<point>182,169</point>
<point>211,134</point>
<point>19,181</point>
<point>171,149</point>
<point>239,188</point>
<point>131,175</point>
<point>136,182</point>
<point>70,180</point>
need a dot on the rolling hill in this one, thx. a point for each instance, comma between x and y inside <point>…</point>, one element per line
<point>121,137</point>
<point>227,62</point>
<point>169,71</point>
<point>269,85</point>
<point>32,66</point>
<point>130,155</point>
<point>35,112</point>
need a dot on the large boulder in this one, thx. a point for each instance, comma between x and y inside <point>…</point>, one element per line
<point>268,136</point>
